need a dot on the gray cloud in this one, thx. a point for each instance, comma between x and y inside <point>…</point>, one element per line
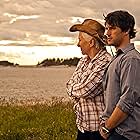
<point>55,16</point>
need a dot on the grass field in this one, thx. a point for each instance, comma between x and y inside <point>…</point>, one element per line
<point>53,121</point>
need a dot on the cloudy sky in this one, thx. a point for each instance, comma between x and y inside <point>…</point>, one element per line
<point>32,30</point>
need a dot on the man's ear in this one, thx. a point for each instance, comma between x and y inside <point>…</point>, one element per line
<point>127,32</point>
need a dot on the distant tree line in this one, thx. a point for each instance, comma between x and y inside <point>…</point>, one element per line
<point>58,61</point>
<point>6,63</point>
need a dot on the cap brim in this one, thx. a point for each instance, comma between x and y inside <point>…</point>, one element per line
<point>76,27</point>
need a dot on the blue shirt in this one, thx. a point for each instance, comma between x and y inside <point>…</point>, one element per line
<point>122,88</point>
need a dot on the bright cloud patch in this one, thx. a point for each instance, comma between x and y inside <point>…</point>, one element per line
<point>14,17</point>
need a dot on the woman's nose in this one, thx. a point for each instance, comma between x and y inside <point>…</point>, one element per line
<point>78,45</point>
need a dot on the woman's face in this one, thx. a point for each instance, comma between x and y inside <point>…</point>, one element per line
<point>83,44</point>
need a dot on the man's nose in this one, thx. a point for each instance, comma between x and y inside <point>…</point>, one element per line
<point>107,33</point>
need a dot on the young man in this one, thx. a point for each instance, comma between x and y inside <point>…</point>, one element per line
<point>121,81</point>
<point>85,85</point>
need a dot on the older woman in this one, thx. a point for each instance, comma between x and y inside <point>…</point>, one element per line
<point>85,85</point>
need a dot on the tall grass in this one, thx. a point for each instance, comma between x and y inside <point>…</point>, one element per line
<point>53,121</point>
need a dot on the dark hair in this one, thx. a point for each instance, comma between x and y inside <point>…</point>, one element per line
<point>123,20</point>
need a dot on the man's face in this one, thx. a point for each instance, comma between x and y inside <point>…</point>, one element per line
<point>115,36</point>
<point>83,44</point>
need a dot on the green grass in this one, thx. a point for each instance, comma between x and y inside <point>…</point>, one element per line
<point>38,122</point>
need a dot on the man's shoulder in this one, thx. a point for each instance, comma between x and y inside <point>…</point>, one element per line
<point>133,54</point>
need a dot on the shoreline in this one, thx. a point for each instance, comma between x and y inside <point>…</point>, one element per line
<point>4,101</point>
<point>34,66</point>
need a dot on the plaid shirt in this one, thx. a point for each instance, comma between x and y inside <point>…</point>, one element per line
<point>85,88</point>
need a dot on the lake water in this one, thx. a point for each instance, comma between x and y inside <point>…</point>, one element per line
<point>33,84</point>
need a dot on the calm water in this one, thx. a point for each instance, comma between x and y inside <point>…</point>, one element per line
<point>33,83</point>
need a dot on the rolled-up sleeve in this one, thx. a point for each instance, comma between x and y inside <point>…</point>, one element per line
<point>129,82</point>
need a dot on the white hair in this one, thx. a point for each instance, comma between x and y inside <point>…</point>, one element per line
<point>86,36</point>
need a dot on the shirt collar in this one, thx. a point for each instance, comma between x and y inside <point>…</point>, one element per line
<point>100,53</point>
<point>128,48</point>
